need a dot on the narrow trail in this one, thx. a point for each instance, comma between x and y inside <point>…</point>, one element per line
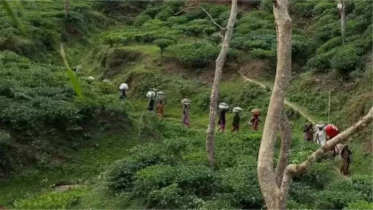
<point>287,102</point>
<point>339,173</point>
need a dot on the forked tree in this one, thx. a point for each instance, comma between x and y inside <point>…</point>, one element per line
<point>219,64</point>
<point>275,183</point>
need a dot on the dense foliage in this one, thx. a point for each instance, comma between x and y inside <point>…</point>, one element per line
<point>175,174</point>
<point>38,107</point>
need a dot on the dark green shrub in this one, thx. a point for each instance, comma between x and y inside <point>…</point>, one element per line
<point>167,197</point>
<point>216,39</point>
<point>121,175</point>
<point>332,199</point>
<point>332,43</point>
<point>345,60</point>
<point>364,185</point>
<point>303,9</point>
<point>178,19</point>
<point>210,30</point>
<point>264,54</point>
<point>326,32</point>
<point>154,178</point>
<point>359,205</point>
<point>193,55</point>
<point>242,182</point>
<point>302,193</point>
<point>321,62</point>
<point>53,200</point>
<point>196,179</point>
<point>164,14</point>
<point>214,10</point>
<point>318,176</point>
<point>141,19</point>
<point>322,6</point>
<point>163,43</point>
<point>220,202</point>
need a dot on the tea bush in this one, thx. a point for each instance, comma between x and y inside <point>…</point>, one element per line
<point>193,55</point>
<point>345,60</point>
<point>163,43</point>
<point>364,184</point>
<point>53,200</point>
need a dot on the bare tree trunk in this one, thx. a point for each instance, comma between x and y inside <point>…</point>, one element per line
<point>66,7</point>
<point>343,19</point>
<point>215,86</point>
<point>266,174</point>
<point>286,140</point>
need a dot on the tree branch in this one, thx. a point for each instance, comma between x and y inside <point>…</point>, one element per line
<point>305,166</point>
<point>286,139</point>
<point>221,28</point>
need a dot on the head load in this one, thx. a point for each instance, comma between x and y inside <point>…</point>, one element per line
<point>237,109</point>
<point>186,101</point>
<point>256,111</point>
<point>150,94</point>
<point>123,86</point>
<point>331,131</point>
<point>223,106</point>
<point>161,96</point>
<point>320,125</point>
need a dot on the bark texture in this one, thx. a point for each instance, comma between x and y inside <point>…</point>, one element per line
<point>267,180</point>
<point>219,64</point>
<point>343,19</point>
<point>286,140</point>
<point>66,7</point>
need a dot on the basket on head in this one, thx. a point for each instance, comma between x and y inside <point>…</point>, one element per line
<point>186,101</point>
<point>150,94</point>
<point>320,125</point>
<point>123,86</point>
<point>237,109</point>
<point>223,106</point>
<point>256,111</point>
<point>161,96</point>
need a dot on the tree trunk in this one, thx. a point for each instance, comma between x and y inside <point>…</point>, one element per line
<point>215,86</point>
<point>343,19</point>
<point>286,140</point>
<point>66,7</point>
<point>266,174</point>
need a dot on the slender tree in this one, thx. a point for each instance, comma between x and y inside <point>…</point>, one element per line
<point>342,14</point>
<point>267,180</point>
<point>219,64</point>
<point>66,7</point>
<point>275,183</point>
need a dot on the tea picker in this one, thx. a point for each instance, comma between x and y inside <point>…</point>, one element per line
<point>254,121</point>
<point>90,79</point>
<point>123,88</point>
<point>186,106</point>
<point>161,98</point>
<point>236,118</point>
<point>151,95</point>
<point>320,134</point>
<point>222,120</point>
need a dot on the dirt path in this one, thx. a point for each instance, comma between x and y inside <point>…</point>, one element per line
<point>339,173</point>
<point>288,103</point>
